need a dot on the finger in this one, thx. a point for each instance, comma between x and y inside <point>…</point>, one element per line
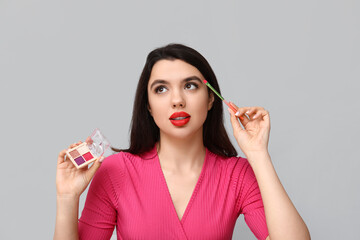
<point>259,112</point>
<point>89,140</point>
<point>241,114</point>
<point>92,170</point>
<point>75,144</point>
<point>61,157</point>
<point>234,122</point>
<point>266,119</point>
<point>251,112</point>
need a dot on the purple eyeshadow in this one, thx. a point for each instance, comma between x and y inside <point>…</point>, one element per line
<point>80,160</point>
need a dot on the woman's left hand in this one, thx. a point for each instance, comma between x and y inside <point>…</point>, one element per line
<point>253,137</point>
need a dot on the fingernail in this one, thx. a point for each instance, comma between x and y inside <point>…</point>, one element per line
<point>237,114</point>
<point>89,140</point>
<point>101,159</point>
<point>248,111</point>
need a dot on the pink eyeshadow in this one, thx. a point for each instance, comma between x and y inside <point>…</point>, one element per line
<point>74,154</point>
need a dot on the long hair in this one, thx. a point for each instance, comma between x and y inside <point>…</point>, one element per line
<point>145,133</point>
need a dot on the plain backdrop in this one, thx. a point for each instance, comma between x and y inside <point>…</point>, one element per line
<point>67,67</point>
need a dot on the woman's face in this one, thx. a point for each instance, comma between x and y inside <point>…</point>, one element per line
<point>178,99</point>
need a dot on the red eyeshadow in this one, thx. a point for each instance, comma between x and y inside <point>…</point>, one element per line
<point>88,156</point>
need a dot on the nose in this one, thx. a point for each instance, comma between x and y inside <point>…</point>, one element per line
<point>177,99</point>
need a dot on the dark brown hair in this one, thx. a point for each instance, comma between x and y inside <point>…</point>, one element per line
<point>145,133</point>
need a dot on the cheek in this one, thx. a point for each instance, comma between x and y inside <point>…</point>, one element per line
<point>201,106</point>
<point>153,102</point>
<point>158,110</point>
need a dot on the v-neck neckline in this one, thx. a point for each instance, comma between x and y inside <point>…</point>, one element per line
<point>194,193</point>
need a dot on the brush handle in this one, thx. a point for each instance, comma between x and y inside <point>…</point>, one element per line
<point>230,106</point>
<point>218,94</point>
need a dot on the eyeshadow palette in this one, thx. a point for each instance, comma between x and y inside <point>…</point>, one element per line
<point>87,152</point>
<point>81,155</point>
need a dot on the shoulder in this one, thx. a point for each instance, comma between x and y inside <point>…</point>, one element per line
<point>235,163</point>
<point>113,170</point>
<point>117,168</point>
<point>117,160</point>
<point>121,160</point>
<point>236,169</point>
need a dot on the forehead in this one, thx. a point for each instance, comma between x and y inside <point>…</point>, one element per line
<point>173,70</point>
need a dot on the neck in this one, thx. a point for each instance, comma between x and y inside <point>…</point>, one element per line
<point>181,155</point>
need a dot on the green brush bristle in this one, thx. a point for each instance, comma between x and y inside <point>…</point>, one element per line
<point>208,84</point>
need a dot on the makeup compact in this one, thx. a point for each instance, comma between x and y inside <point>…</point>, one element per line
<point>87,152</point>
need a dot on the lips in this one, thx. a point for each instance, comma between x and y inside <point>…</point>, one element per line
<point>179,118</point>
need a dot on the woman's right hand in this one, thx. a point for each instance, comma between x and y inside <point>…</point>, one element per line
<point>70,181</point>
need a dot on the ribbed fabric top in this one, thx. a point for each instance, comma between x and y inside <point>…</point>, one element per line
<point>130,192</point>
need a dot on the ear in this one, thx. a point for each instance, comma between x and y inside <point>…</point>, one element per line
<point>211,101</point>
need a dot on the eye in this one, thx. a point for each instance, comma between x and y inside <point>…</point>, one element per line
<point>160,89</point>
<point>191,86</point>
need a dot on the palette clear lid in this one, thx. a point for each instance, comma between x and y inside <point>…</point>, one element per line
<point>97,143</point>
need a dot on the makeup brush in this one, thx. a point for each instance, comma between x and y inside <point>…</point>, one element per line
<point>226,102</point>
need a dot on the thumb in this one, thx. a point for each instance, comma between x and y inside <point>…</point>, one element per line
<point>92,170</point>
<point>235,122</point>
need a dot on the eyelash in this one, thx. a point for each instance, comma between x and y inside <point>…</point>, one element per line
<point>194,84</point>
<point>162,86</point>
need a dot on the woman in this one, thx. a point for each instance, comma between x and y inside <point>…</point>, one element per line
<point>180,177</point>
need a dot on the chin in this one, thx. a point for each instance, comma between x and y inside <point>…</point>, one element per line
<point>183,133</point>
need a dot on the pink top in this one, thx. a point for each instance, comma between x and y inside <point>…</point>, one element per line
<point>130,191</point>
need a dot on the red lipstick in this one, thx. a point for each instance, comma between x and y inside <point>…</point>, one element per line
<point>179,118</point>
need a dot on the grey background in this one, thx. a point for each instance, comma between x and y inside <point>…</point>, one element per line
<point>67,67</point>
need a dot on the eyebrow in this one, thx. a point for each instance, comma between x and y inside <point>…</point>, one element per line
<point>161,81</point>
